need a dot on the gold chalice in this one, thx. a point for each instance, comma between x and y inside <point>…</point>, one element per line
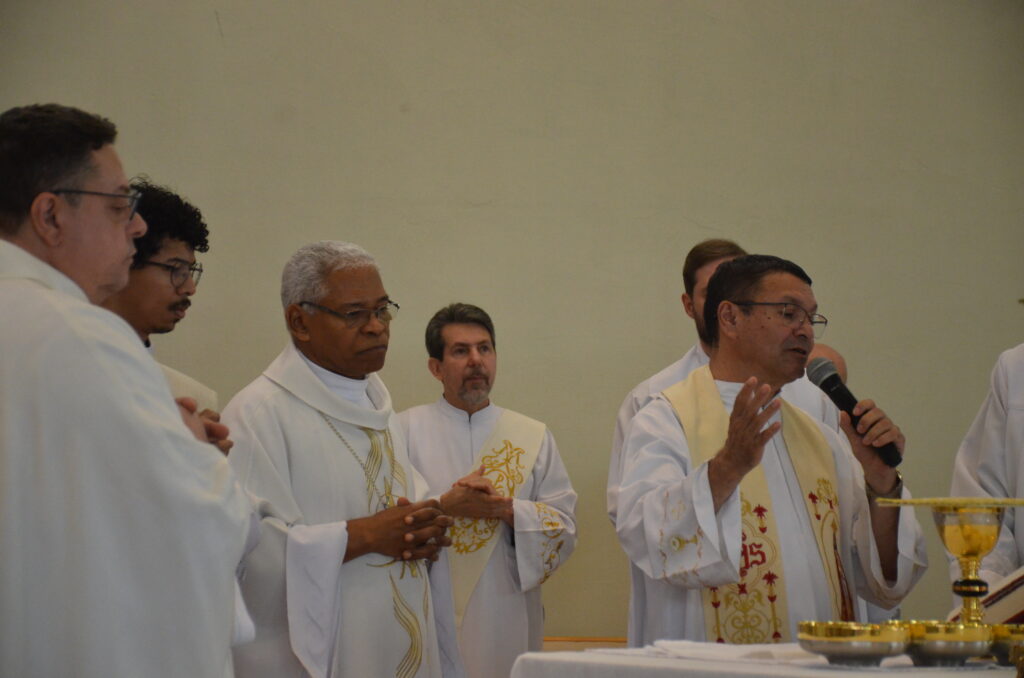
<point>969,529</point>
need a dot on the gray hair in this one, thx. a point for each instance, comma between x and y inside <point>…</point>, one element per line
<point>305,274</point>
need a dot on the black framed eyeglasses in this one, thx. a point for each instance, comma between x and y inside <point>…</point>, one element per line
<point>793,315</point>
<point>360,316</point>
<point>180,271</point>
<point>132,197</point>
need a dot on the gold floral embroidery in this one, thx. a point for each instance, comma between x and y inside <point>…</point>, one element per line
<point>746,611</point>
<point>504,468</point>
<point>552,528</point>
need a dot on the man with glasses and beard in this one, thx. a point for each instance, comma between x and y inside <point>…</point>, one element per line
<point>510,494</point>
<point>747,514</point>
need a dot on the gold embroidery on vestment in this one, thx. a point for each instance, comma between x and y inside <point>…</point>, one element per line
<point>407,619</point>
<point>505,471</point>
<point>552,528</point>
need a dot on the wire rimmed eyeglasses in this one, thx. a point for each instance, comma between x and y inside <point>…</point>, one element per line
<point>360,316</point>
<point>133,197</point>
<point>793,316</point>
<point>180,271</point>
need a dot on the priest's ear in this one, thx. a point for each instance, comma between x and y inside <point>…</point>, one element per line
<point>46,220</point>
<point>728,319</point>
<point>434,365</point>
<point>296,319</point>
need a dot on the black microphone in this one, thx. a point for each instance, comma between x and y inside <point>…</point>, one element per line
<point>822,372</point>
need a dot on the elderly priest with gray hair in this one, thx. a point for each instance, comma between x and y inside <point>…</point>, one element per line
<point>338,584</point>
<point>758,515</point>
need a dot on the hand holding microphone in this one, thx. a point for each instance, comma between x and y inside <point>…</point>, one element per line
<point>823,374</point>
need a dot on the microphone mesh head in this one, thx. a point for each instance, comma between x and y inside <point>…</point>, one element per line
<point>820,369</point>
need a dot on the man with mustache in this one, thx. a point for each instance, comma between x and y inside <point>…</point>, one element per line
<point>338,583</point>
<point>751,514</point>
<point>163,278</point>
<point>510,494</point>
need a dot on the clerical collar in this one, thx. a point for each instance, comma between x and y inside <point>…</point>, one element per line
<point>352,390</point>
<point>463,415</point>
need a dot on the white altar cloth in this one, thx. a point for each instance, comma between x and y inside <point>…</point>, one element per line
<point>641,663</point>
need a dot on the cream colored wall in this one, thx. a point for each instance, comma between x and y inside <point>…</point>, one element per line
<point>554,161</point>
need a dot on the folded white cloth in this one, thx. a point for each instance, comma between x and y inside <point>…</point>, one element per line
<point>778,653</point>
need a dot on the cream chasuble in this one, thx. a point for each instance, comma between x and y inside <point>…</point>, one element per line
<point>315,460</point>
<point>502,616</point>
<point>754,609</point>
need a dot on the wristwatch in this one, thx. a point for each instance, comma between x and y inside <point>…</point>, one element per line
<point>894,493</point>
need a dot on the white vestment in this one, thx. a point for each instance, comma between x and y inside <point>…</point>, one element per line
<point>317,460</point>
<point>504,617</point>
<point>184,386</point>
<point>990,457</point>
<point>662,495</point>
<point>121,532</point>
<point>801,393</point>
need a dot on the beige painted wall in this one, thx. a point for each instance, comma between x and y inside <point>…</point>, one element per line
<point>553,161</point>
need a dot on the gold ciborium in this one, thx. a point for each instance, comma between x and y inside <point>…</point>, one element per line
<point>969,529</point>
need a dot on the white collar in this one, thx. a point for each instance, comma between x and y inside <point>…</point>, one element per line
<point>352,390</point>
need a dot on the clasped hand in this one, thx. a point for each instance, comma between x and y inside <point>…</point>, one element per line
<point>474,496</point>
<point>408,531</point>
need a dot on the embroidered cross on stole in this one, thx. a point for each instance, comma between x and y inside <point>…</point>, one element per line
<point>754,609</point>
<point>507,456</point>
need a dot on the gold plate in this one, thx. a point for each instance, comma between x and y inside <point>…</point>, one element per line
<point>851,643</point>
<point>1004,637</point>
<point>953,502</point>
<point>938,643</point>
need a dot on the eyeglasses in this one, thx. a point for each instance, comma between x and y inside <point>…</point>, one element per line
<point>359,317</point>
<point>793,316</point>
<point>180,272</point>
<point>132,197</point>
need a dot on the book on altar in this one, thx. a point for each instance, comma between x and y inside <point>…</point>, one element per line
<point>1004,603</point>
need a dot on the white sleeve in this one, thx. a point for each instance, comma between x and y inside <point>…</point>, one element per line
<point>912,559</point>
<point>292,578</point>
<point>986,465</point>
<point>545,524</point>
<point>667,523</point>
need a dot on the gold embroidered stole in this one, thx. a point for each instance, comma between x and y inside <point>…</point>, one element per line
<point>754,609</point>
<point>381,463</point>
<point>507,456</point>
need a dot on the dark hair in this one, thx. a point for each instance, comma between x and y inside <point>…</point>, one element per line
<point>168,217</point>
<point>43,147</point>
<point>739,280</point>
<point>455,314</point>
<point>704,253</point>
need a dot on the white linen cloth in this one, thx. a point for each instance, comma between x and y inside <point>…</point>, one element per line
<point>988,463</point>
<point>662,493</point>
<point>121,532</point>
<point>504,617</point>
<point>315,615</point>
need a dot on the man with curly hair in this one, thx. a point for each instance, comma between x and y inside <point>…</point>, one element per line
<point>164,276</point>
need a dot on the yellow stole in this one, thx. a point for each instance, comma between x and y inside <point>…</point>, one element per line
<point>754,609</point>
<point>507,456</point>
